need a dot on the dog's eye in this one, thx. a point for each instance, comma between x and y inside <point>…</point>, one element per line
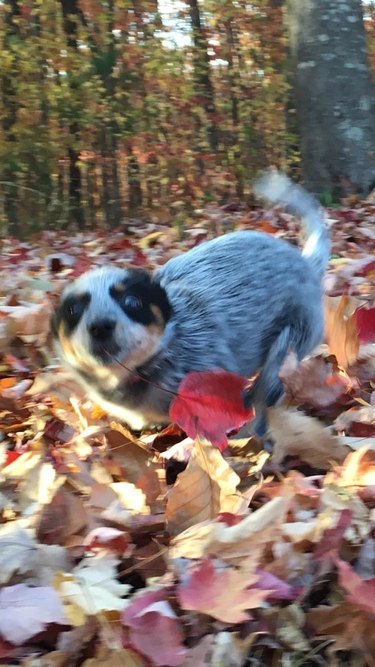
<point>75,309</point>
<point>132,302</point>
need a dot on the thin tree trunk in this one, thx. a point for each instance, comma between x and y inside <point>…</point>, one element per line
<point>8,171</point>
<point>233,92</point>
<point>202,74</point>
<point>333,94</point>
<point>71,14</point>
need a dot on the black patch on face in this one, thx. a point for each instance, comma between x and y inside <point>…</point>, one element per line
<point>137,293</point>
<point>70,312</point>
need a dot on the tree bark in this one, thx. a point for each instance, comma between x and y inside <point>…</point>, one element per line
<point>9,169</point>
<point>202,75</point>
<point>333,94</point>
<point>71,14</point>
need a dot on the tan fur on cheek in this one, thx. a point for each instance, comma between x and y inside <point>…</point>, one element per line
<point>157,327</point>
<point>145,350</point>
<point>70,351</point>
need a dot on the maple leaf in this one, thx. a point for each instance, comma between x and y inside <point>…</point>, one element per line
<point>21,555</point>
<point>154,629</point>
<point>360,592</point>
<point>222,592</point>
<point>92,586</point>
<point>351,628</point>
<point>209,404</point>
<point>25,611</point>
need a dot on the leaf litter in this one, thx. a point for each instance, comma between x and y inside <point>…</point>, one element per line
<point>188,546</point>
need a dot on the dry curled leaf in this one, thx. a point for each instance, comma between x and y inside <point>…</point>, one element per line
<point>296,434</point>
<point>209,484</point>
<point>341,329</point>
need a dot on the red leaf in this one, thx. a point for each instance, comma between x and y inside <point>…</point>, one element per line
<point>224,593</point>
<point>365,320</point>
<point>332,537</point>
<point>154,629</point>
<point>11,456</point>
<point>280,590</point>
<point>139,258</point>
<point>56,430</point>
<point>209,404</point>
<point>366,268</point>
<point>120,244</point>
<point>361,592</point>
<point>228,518</point>
<point>81,266</point>
<point>107,538</point>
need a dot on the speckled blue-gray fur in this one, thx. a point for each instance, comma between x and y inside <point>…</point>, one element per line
<point>238,302</point>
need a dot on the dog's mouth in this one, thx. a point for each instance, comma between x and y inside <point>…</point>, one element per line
<point>105,353</point>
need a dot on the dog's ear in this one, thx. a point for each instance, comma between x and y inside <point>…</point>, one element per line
<point>137,277</point>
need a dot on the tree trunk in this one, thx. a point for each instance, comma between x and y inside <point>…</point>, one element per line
<point>202,75</point>
<point>72,13</point>
<point>9,175</point>
<point>333,94</point>
<point>134,184</point>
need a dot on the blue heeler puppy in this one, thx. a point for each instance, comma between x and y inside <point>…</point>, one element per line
<point>238,302</point>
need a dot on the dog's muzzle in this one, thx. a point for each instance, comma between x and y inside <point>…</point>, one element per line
<point>102,340</point>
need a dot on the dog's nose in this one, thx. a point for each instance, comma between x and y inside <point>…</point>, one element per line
<point>102,329</point>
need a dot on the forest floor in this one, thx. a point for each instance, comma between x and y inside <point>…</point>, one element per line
<point>132,551</point>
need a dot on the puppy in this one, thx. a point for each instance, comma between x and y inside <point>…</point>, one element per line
<point>238,302</point>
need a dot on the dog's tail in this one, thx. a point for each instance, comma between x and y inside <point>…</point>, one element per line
<point>278,189</point>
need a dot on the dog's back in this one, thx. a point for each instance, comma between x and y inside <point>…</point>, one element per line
<point>246,285</point>
<point>243,300</point>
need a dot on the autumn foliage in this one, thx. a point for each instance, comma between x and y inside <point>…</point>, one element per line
<point>161,550</point>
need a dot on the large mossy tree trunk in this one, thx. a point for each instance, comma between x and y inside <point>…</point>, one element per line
<point>333,95</point>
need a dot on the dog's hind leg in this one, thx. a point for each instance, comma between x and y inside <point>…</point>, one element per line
<point>268,388</point>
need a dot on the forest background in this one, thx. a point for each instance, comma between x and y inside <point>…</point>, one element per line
<point>111,109</point>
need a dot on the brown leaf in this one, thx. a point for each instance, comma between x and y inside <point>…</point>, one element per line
<point>207,487</point>
<point>341,329</point>
<point>233,543</point>
<point>317,383</point>
<point>296,434</point>
<point>64,516</point>
<point>351,628</point>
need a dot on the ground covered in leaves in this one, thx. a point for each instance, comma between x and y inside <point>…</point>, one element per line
<point>155,550</point>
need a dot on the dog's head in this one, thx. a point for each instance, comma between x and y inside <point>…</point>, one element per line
<point>110,318</point>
